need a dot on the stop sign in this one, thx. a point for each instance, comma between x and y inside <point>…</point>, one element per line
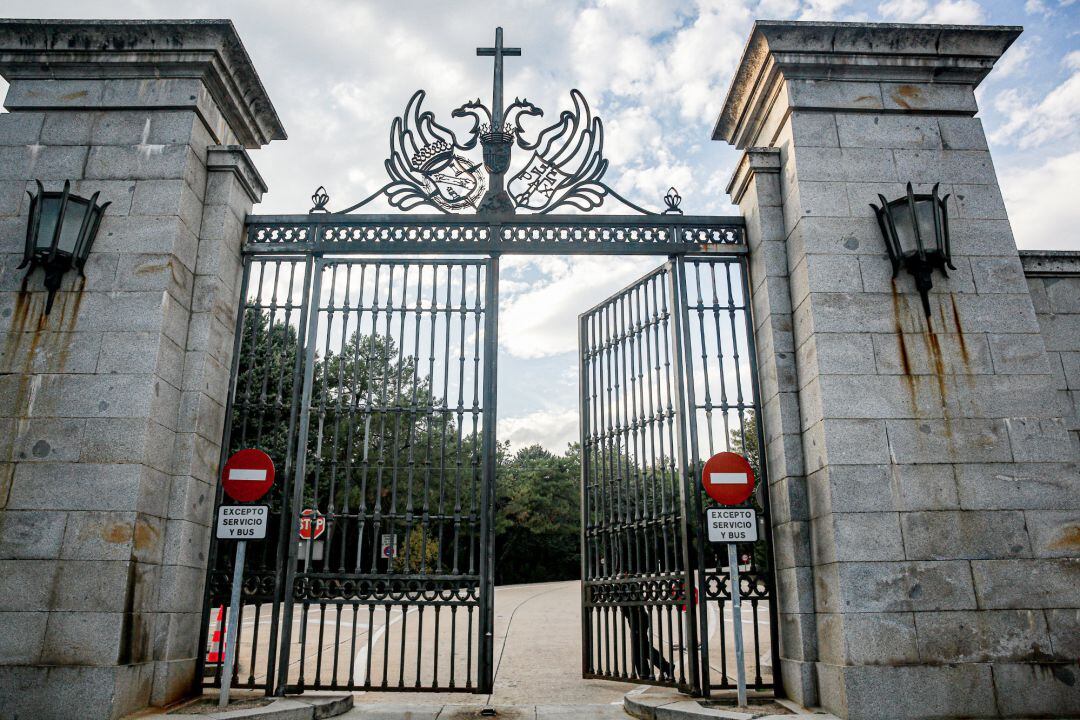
<point>728,478</point>
<point>247,475</point>
<point>312,524</point>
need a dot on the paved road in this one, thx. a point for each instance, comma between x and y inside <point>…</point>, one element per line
<point>537,653</point>
<point>537,648</point>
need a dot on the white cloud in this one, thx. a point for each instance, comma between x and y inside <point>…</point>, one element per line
<point>770,9</point>
<point>1030,122</point>
<point>551,428</point>
<point>1042,204</point>
<point>953,12</point>
<point>543,321</point>
<point>822,9</point>
<point>1015,59</point>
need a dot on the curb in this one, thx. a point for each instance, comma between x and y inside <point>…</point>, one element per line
<point>294,708</point>
<point>675,706</point>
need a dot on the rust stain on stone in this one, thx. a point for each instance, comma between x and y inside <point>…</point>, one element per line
<point>67,324</point>
<point>145,535</point>
<point>934,345</point>
<point>905,359</point>
<point>18,322</point>
<point>1068,539</point>
<point>74,95</point>
<point>905,93</point>
<point>960,332</point>
<point>149,269</point>
<point>116,533</point>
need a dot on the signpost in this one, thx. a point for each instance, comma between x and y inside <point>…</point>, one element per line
<point>246,477</point>
<point>729,480</point>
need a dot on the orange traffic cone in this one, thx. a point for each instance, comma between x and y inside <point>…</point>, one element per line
<point>216,652</point>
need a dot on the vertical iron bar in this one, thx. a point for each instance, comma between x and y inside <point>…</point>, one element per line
<point>298,481</point>
<point>681,357</point>
<point>287,529</point>
<point>700,614</point>
<point>487,520</point>
<point>585,509</point>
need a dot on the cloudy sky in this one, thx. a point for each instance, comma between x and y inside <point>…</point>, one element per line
<point>655,71</point>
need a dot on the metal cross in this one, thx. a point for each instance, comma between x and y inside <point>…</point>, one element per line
<point>497,86</point>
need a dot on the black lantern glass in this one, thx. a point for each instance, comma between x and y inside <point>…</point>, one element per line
<point>59,234</point>
<point>916,232</point>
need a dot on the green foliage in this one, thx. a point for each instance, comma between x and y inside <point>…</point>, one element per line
<point>538,516</point>
<point>373,409</point>
<point>264,390</point>
<point>748,448</point>
<point>422,552</point>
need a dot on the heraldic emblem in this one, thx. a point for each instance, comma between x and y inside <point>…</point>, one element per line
<point>431,165</point>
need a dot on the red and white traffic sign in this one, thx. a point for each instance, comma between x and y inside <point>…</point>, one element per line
<point>728,478</point>
<point>247,475</point>
<point>312,524</point>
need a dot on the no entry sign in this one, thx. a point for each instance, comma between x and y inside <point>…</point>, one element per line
<point>247,475</point>
<point>728,478</point>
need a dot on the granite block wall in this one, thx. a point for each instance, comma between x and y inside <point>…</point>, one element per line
<point>111,407</point>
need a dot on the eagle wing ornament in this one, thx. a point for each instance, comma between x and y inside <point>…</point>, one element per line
<point>566,165</point>
<point>423,166</point>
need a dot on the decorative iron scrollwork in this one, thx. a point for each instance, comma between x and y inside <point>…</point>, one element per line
<point>565,169</point>
<point>430,165</point>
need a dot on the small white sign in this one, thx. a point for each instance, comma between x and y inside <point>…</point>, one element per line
<point>389,546</point>
<point>242,522</point>
<point>732,525</point>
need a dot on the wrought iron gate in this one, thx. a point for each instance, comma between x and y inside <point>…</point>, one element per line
<point>667,379</point>
<point>398,414</point>
<point>370,380</point>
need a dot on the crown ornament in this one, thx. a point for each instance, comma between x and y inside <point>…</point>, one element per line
<point>502,136</point>
<point>432,156</point>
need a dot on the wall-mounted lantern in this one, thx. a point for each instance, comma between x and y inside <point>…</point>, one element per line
<point>916,232</point>
<point>59,234</point>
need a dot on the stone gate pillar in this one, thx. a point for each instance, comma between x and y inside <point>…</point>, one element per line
<point>111,407</point>
<point>925,487</point>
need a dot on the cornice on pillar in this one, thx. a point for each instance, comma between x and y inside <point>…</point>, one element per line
<point>235,159</point>
<point>206,50</point>
<point>806,61</point>
<point>754,160</point>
